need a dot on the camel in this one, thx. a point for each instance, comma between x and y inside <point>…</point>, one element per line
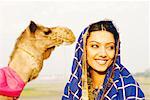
<point>33,46</point>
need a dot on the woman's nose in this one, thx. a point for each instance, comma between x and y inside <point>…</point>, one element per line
<point>102,52</point>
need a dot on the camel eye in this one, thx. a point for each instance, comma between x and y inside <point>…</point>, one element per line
<point>48,32</point>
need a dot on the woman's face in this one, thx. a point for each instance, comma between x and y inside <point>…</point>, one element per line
<point>100,50</point>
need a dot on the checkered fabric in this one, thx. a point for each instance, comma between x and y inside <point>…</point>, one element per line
<point>123,86</point>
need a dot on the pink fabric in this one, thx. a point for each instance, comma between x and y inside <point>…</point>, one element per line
<point>10,83</point>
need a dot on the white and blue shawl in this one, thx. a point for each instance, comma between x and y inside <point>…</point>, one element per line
<point>122,87</point>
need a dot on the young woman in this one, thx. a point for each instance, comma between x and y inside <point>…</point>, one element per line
<point>97,72</point>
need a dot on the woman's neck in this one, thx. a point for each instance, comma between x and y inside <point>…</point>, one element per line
<point>97,78</point>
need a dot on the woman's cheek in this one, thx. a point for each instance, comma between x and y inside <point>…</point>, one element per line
<point>111,54</point>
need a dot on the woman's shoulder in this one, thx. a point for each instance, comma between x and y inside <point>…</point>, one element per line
<point>123,76</point>
<point>126,84</point>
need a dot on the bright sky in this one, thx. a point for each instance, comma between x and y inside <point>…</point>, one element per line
<point>130,17</point>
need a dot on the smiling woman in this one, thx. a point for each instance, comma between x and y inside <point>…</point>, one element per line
<point>100,52</point>
<point>97,73</point>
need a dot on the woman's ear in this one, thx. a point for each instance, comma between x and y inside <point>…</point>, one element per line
<point>32,27</point>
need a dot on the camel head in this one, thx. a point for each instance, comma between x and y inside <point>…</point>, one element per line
<point>46,39</point>
<point>34,45</point>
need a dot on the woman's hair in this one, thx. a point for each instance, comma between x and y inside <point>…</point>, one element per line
<point>105,26</point>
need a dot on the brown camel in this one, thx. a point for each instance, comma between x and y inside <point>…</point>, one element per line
<point>33,46</point>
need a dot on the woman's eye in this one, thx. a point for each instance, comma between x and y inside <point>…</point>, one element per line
<point>110,47</point>
<point>94,46</point>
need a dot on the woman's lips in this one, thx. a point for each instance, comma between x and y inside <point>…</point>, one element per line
<point>101,61</point>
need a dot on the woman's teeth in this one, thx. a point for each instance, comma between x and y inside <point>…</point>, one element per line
<point>101,62</point>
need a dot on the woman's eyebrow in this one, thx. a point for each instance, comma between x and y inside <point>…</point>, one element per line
<point>93,41</point>
<point>100,43</point>
<point>110,43</point>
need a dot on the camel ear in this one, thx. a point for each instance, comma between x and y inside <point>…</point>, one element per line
<point>32,27</point>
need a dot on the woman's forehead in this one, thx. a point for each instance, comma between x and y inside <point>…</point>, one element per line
<point>101,37</point>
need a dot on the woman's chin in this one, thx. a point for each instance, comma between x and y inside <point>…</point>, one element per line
<point>100,69</point>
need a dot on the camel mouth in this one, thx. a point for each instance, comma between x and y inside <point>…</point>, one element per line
<point>66,43</point>
<point>51,48</point>
<point>47,52</point>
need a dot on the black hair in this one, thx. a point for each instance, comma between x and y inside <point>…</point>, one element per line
<point>107,26</point>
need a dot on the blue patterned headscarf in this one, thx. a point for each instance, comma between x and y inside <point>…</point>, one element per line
<point>118,84</point>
